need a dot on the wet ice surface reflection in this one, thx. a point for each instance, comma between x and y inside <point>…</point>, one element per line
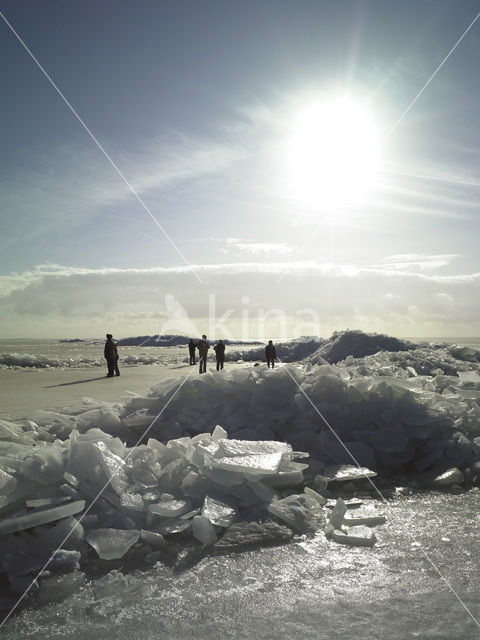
<point>309,588</point>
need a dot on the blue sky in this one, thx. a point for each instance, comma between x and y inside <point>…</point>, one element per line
<point>197,104</point>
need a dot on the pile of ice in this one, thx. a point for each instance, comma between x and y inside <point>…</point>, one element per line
<point>41,361</point>
<point>357,344</point>
<point>168,341</point>
<point>288,351</point>
<point>387,423</point>
<point>74,506</point>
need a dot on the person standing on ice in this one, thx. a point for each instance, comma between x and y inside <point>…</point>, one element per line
<point>191,348</point>
<point>270,354</point>
<point>219,349</point>
<point>203,347</point>
<point>111,356</point>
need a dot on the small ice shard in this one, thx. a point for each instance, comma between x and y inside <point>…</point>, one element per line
<point>111,544</point>
<point>448,478</point>
<point>320,484</point>
<point>71,480</point>
<point>153,539</point>
<point>132,502</point>
<point>203,530</point>
<point>170,508</point>
<point>241,535</point>
<point>316,497</point>
<point>35,518</point>
<point>338,513</point>
<point>346,472</point>
<point>355,536</point>
<point>39,503</point>
<point>8,483</point>
<point>219,433</point>
<point>171,525</point>
<point>295,511</point>
<point>63,560</point>
<point>219,511</point>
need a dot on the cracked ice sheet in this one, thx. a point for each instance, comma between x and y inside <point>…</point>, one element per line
<point>267,464</point>
<point>234,448</point>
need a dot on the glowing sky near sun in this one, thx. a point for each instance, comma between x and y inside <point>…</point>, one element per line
<point>273,142</point>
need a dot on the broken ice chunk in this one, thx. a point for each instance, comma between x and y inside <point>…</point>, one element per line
<point>203,530</point>
<point>447,478</point>
<point>219,511</point>
<point>153,539</point>
<point>295,511</point>
<point>232,448</point>
<point>252,464</point>
<point>338,512</point>
<point>355,536</point>
<point>39,503</point>
<point>35,518</point>
<point>316,497</point>
<point>7,483</point>
<point>346,472</point>
<point>171,525</point>
<point>170,508</point>
<point>111,544</point>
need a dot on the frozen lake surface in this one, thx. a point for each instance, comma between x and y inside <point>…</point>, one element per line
<point>307,589</point>
<point>420,580</point>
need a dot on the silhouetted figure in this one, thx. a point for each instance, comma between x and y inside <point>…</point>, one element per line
<point>203,347</point>
<point>111,356</point>
<point>219,349</point>
<point>191,348</point>
<point>270,354</point>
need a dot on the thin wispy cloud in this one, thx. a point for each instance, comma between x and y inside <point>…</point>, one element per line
<point>417,261</point>
<point>236,247</point>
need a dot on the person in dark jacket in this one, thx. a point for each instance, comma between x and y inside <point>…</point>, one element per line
<point>219,349</point>
<point>203,347</point>
<point>191,348</point>
<point>111,356</point>
<point>270,354</point>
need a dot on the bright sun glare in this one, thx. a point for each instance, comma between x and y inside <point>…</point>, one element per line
<point>333,153</point>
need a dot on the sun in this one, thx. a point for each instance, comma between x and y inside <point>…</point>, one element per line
<point>332,153</point>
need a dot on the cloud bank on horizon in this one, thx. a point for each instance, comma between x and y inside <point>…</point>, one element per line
<point>247,300</point>
<point>208,125</point>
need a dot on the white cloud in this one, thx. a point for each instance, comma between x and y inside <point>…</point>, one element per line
<point>52,300</point>
<point>413,261</point>
<point>238,247</point>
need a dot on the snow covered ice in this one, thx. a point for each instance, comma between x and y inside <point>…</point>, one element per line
<point>260,478</point>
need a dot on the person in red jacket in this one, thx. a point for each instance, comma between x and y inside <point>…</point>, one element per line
<point>111,356</point>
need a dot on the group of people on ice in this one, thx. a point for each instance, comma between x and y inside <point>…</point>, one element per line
<point>111,354</point>
<point>203,346</point>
